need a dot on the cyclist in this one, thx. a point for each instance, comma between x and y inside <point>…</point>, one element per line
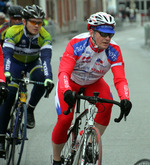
<point>3,90</point>
<point>27,48</point>
<point>14,13</point>
<point>86,60</point>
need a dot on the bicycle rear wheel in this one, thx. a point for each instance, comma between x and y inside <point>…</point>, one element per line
<point>19,135</point>
<point>68,151</point>
<point>91,152</point>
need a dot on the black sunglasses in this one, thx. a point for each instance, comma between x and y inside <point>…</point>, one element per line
<point>105,34</point>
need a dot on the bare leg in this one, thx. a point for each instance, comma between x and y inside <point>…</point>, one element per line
<point>101,128</point>
<point>57,148</point>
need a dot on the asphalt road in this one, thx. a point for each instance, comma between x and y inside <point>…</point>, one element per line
<point>124,143</point>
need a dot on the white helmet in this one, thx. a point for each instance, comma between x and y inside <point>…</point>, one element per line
<point>100,18</point>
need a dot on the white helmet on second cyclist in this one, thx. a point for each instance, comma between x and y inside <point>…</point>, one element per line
<point>103,20</point>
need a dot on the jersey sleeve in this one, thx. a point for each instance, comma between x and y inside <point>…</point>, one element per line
<point>46,52</point>
<point>66,67</point>
<point>8,49</point>
<point>120,80</point>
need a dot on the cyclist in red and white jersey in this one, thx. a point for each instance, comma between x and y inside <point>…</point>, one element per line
<point>87,58</point>
<point>3,94</point>
<point>3,89</point>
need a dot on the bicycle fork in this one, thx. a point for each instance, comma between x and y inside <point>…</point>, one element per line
<point>81,150</point>
<point>17,123</point>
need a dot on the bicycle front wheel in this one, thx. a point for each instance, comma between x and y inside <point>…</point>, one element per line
<point>8,138</point>
<point>68,151</point>
<point>90,151</point>
<point>19,135</point>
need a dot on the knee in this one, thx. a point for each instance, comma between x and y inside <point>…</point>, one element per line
<point>37,74</point>
<point>104,114</point>
<point>59,134</point>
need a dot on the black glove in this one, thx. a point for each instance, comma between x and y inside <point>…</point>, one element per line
<point>69,99</point>
<point>3,92</point>
<point>126,106</point>
<point>49,85</point>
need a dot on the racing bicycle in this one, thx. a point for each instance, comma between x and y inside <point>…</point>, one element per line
<point>87,150</point>
<point>17,127</point>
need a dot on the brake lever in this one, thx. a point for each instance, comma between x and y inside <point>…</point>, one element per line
<point>69,110</point>
<point>117,120</point>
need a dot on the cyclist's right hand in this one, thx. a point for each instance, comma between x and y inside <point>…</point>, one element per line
<point>3,92</point>
<point>69,98</point>
<point>49,85</point>
<point>8,77</point>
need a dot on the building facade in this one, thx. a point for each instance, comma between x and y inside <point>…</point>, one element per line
<point>26,2</point>
<point>71,15</point>
<point>141,5</point>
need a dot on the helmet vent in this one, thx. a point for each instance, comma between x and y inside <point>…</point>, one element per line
<point>100,18</point>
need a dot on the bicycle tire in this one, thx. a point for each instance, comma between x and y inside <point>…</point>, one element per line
<point>19,135</point>
<point>68,149</point>
<point>143,161</point>
<point>8,139</point>
<point>93,137</point>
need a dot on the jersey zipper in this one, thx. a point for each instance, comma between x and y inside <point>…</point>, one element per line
<point>30,40</point>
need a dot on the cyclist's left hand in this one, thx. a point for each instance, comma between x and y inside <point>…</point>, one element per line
<point>49,85</point>
<point>3,92</point>
<point>126,106</point>
<point>8,77</point>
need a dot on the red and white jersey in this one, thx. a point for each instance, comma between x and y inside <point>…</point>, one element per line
<point>85,64</point>
<point>2,76</point>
